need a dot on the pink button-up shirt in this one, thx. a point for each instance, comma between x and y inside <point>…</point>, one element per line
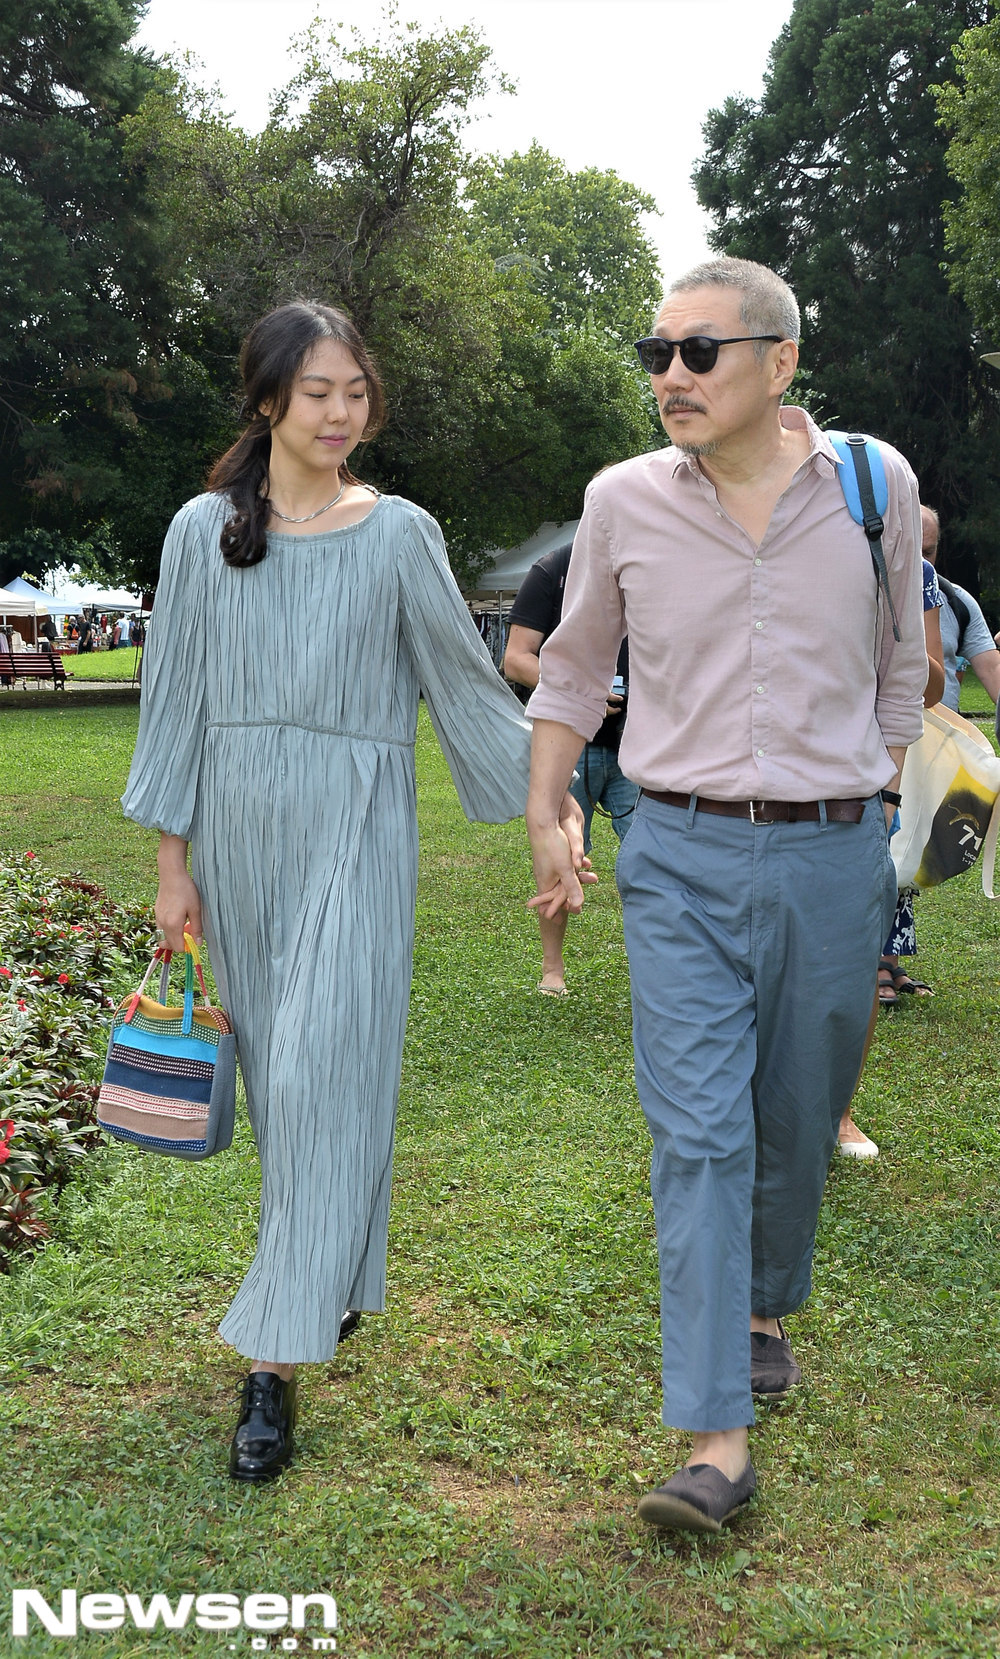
<point>765,671</point>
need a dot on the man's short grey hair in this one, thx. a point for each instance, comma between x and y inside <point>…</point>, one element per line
<point>768,306</point>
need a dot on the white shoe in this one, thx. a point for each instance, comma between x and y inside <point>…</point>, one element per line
<point>864,1148</point>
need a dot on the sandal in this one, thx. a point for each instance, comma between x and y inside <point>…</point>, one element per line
<point>887,996</point>
<point>909,987</point>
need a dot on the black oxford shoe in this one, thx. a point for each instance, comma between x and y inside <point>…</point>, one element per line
<point>262,1445</point>
<point>349,1324</point>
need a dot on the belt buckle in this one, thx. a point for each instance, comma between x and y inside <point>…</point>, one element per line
<point>757,813</point>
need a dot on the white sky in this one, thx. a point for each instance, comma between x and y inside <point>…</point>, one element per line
<point>617,84</point>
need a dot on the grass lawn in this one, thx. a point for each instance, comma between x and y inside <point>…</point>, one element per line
<point>102,665</point>
<point>469,1463</point>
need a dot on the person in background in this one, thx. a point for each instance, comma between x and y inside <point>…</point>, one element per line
<point>964,630</point>
<point>852,1142</point>
<point>601,782</point>
<point>894,980</point>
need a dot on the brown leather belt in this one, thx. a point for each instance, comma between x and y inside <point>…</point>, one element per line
<point>767,812</point>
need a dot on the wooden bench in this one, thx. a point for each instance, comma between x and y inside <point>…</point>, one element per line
<point>33,665</point>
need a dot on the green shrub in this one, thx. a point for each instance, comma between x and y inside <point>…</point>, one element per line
<point>66,955</point>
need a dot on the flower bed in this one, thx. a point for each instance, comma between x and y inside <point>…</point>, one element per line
<point>66,955</point>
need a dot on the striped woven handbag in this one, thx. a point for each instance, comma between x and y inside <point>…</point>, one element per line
<point>170,1077</point>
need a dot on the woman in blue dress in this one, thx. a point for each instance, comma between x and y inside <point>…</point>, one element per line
<point>289,774</point>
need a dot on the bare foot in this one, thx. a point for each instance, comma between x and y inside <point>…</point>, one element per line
<point>852,1141</point>
<point>553,933</point>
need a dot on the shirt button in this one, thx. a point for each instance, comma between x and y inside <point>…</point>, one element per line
<point>758,688</point>
<point>758,561</point>
<point>760,751</point>
<point>758,624</point>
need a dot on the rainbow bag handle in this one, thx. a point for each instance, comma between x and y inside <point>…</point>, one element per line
<point>192,966</point>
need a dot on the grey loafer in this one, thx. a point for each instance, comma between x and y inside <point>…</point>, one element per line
<point>773,1367</point>
<point>698,1498</point>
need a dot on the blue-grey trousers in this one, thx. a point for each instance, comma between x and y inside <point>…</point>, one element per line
<point>752,952</point>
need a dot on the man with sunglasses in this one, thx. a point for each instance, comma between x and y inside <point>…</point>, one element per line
<point>770,706</point>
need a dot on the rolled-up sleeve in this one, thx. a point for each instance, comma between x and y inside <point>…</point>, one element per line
<point>578,661</point>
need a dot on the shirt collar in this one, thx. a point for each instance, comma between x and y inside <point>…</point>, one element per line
<point>794,419</point>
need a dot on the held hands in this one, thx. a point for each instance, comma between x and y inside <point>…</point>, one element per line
<point>561,870</point>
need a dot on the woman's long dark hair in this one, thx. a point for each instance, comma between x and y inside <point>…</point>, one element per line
<point>271,357</point>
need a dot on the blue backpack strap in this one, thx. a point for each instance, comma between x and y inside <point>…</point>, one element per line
<point>866,491</point>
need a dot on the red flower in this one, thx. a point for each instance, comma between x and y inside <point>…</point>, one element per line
<point>29,855</point>
<point>7,973</point>
<point>6,1131</point>
<point>21,1004</point>
<point>64,979</point>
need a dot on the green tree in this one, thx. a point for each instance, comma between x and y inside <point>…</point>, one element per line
<point>970,113</point>
<point>354,193</point>
<point>836,178</point>
<point>82,312</point>
<point>573,236</point>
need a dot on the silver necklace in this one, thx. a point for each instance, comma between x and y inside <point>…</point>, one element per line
<point>287,519</point>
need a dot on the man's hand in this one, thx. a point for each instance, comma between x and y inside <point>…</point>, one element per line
<point>561,869</point>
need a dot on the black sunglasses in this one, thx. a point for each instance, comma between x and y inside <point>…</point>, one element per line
<point>699,352</point>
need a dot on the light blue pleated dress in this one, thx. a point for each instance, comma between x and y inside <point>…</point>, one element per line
<point>279,707</point>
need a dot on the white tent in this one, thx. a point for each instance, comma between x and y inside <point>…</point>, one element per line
<point>13,603</point>
<point>43,601</point>
<point>510,565</point>
<point>71,599</point>
<point>91,597</point>
<point>70,596</point>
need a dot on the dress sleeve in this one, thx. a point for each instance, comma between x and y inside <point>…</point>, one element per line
<point>479,722</point>
<point>162,787</point>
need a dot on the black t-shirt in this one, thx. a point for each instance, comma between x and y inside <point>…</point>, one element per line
<point>538,606</point>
